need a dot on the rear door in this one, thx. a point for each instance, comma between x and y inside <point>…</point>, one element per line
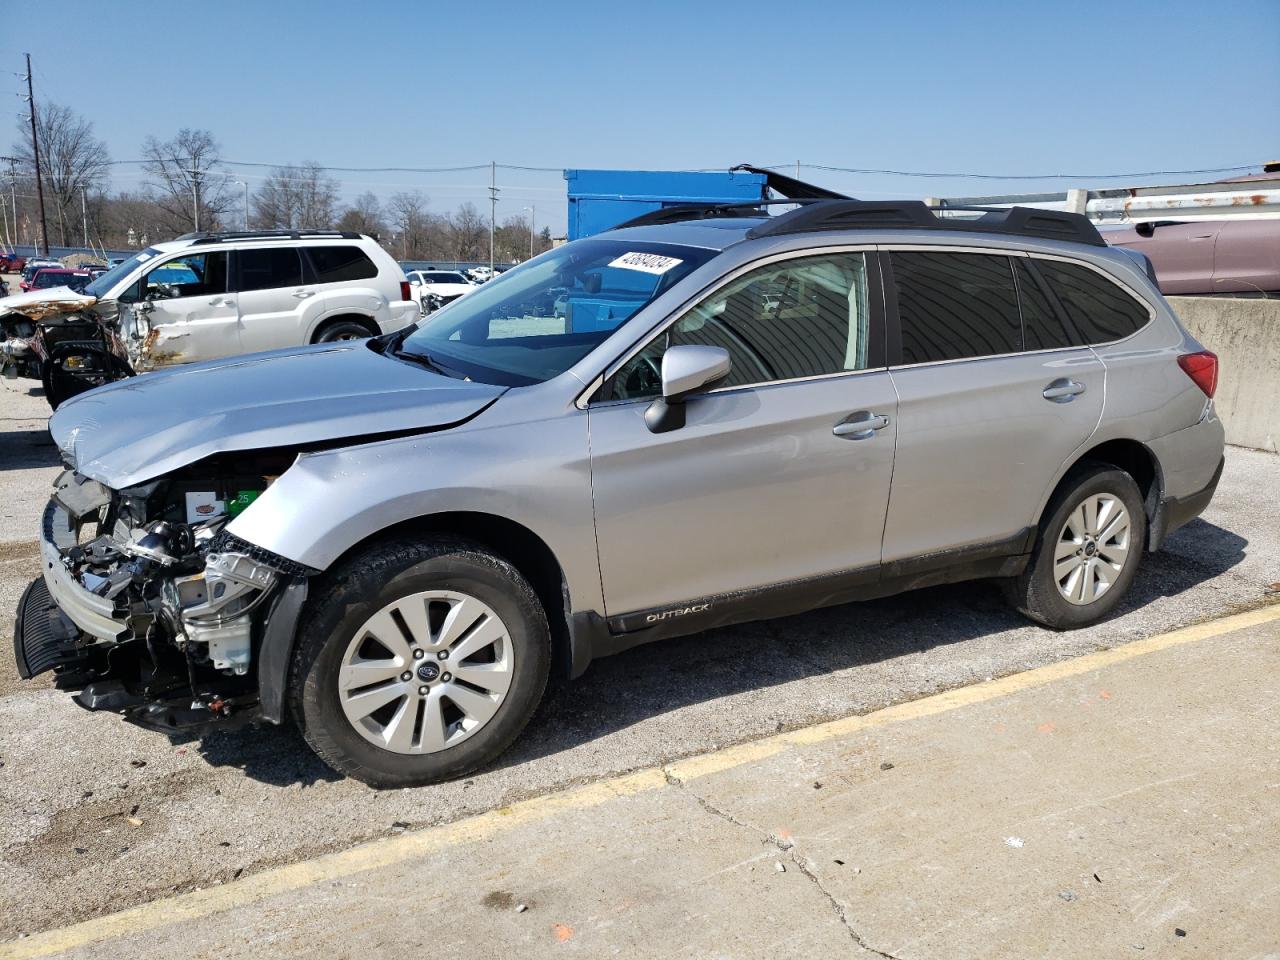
<point>273,297</point>
<point>1246,257</point>
<point>346,280</point>
<point>769,482</point>
<point>987,413</point>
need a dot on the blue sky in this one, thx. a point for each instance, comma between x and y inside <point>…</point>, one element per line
<point>975,86</point>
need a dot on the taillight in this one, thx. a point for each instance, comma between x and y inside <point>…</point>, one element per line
<point>404,290</point>
<point>1201,367</point>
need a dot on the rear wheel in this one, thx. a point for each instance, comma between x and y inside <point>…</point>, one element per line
<point>420,662</point>
<point>343,330</point>
<point>1087,551</point>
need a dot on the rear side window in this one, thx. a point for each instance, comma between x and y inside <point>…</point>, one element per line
<point>1042,327</point>
<point>955,305</point>
<point>1098,308</point>
<point>340,264</point>
<point>269,269</point>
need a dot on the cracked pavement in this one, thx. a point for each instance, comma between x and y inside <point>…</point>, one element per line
<point>1115,804</point>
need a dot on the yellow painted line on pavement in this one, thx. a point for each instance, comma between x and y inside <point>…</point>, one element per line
<point>485,826</point>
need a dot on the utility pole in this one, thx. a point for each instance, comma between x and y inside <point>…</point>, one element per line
<point>35,152</point>
<point>195,173</point>
<point>84,216</point>
<point>493,209</point>
<point>532,216</point>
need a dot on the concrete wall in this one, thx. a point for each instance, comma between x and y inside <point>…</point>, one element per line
<point>1245,334</point>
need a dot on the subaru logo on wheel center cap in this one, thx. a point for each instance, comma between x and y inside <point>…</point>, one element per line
<point>428,671</point>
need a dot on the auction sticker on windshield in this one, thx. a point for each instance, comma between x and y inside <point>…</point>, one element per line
<point>646,262</point>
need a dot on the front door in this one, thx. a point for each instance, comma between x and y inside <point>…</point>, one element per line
<point>187,312</point>
<point>781,474</point>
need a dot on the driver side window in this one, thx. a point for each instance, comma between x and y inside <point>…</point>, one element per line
<point>796,318</point>
<point>187,276</point>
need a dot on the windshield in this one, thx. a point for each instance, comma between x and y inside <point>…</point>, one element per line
<point>102,284</point>
<point>539,319</point>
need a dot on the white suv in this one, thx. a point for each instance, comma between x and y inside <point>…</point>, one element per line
<point>206,296</point>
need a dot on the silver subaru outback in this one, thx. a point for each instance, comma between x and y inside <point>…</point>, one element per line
<point>703,417</point>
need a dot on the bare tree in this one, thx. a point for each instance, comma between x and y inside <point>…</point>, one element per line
<point>470,233</point>
<point>181,181</point>
<point>407,212</point>
<point>296,197</point>
<point>364,216</point>
<point>72,158</point>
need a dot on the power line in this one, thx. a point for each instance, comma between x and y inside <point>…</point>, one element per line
<point>883,171</point>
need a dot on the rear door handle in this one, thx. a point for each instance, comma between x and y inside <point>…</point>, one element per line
<point>860,426</point>
<point>303,294</point>
<point>1062,390</point>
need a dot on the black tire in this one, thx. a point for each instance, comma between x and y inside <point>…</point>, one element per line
<point>61,385</point>
<point>1036,594</point>
<point>343,330</point>
<point>364,584</point>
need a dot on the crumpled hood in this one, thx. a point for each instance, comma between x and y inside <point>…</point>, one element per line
<point>135,430</point>
<point>39,304</point>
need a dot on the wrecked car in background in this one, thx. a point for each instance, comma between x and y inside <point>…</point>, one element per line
<point>204,297</point>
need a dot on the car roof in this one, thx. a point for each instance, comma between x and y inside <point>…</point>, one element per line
<point>713,234</point>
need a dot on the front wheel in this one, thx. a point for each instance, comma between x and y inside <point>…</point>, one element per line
<point>419,663</point>
<point>1087,550</point>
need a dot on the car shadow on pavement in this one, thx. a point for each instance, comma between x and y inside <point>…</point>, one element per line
<point>648,681</point>
<point>27,449</point>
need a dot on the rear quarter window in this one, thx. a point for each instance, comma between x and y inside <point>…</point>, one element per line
<point>1099,309</point>
<point>340,264</point>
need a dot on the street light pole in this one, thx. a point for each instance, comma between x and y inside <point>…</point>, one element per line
<point>242,183</point>
<point>532,216</point>
<point>84,216</point>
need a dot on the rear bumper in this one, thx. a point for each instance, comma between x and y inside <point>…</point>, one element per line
<point>1174,512</point>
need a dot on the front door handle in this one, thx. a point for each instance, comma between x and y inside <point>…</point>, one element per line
<point>222,301</point>
<point>860,426</point>
<point>1062,390</point>
<point>303,294</point>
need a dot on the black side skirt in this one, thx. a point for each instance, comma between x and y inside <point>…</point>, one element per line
<point>1003,558</point>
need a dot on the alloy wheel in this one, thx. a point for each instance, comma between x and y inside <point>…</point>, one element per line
<point>426,672</point>
<point>1092,548</point>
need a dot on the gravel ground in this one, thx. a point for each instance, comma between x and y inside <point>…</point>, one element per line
<point>98,815</point>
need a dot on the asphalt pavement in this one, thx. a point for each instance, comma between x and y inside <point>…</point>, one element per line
<point>98,815</point>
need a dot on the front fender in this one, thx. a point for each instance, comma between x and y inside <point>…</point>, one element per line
<point>536,474</point>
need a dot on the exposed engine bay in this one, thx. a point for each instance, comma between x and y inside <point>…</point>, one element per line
<point>69,344</point>
<point>148,606</point>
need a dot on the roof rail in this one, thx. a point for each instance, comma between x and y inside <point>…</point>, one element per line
<point>914,214</point>
<point>702,211</point>
<point>220,237</point>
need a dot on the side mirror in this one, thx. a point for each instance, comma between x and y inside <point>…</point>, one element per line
<point>416,282</point>
<point>1145,229</point>
<point>686,369</point>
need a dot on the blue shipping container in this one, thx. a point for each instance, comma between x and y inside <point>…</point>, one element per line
<point>601,199</point>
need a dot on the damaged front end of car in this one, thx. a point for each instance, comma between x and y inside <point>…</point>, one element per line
<point>148,607</point>
<point>67,341</point>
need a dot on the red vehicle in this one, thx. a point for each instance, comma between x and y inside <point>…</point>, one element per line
<point>12,263</point>
<point>47,277</point>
